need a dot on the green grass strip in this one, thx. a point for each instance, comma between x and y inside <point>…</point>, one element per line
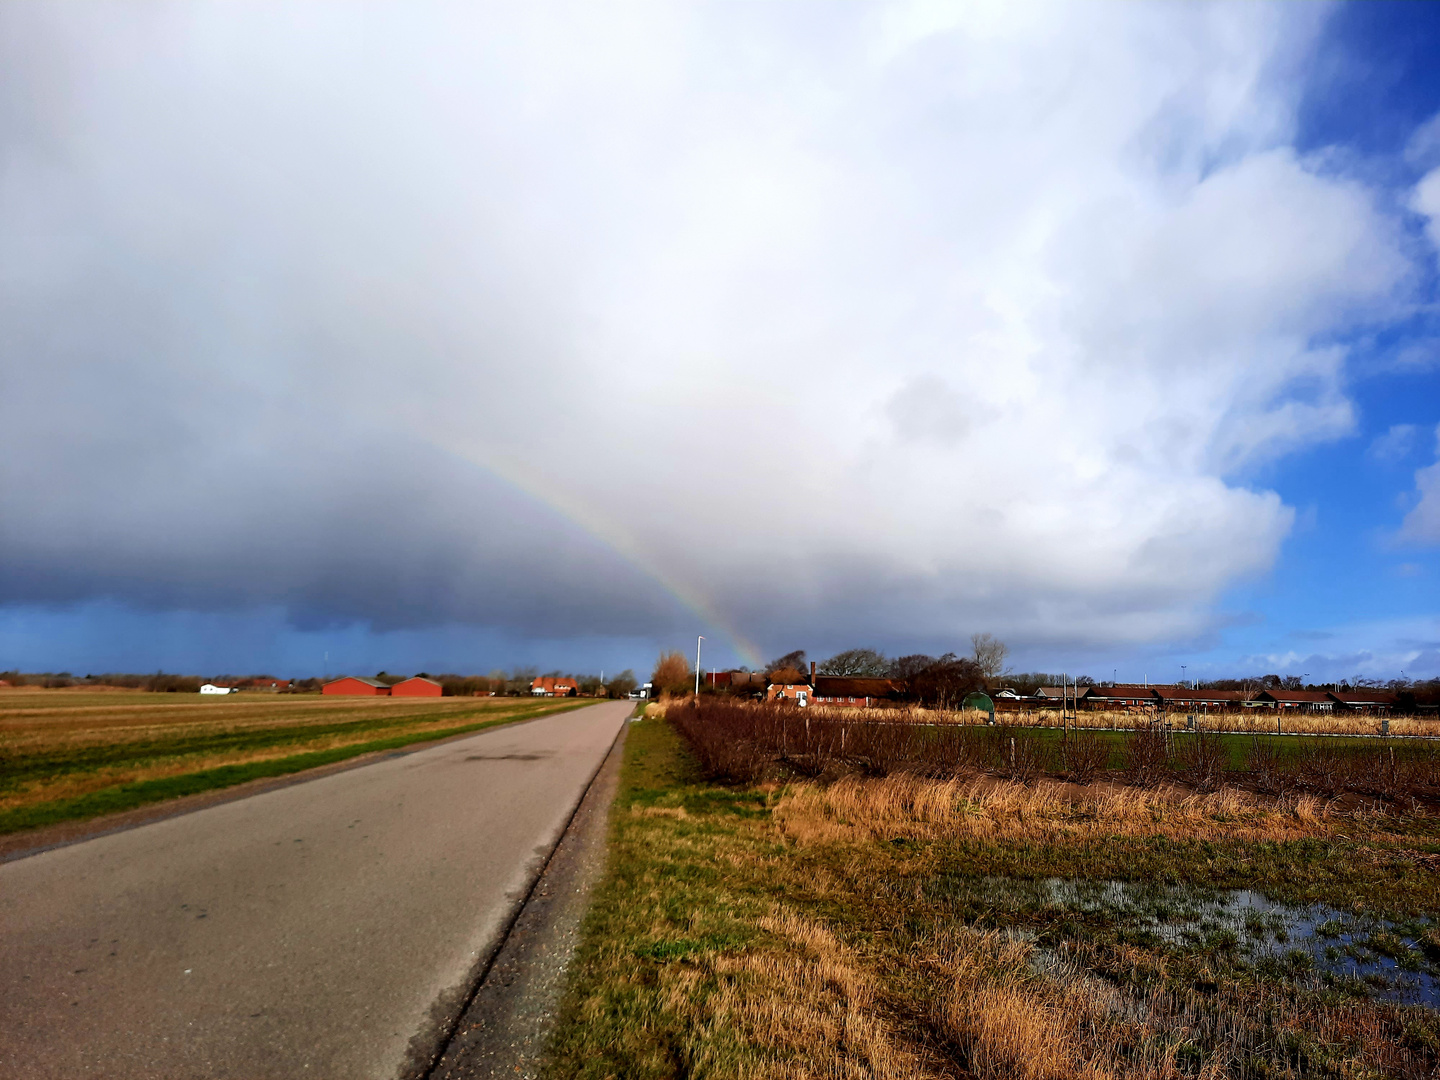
<point>143,792</point>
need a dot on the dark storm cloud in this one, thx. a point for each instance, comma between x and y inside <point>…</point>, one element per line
<point>297,302</point>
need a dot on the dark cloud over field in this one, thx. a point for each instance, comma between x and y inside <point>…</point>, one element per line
<point>879,323</point>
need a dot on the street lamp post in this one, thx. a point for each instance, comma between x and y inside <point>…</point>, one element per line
<point>697,666</point>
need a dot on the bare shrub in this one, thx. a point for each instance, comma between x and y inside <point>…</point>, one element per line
<point>1269,769</point>
<point>1204,759</point>
<point>953,750</point>
<point>727,740</point>
<point>1018,754</point>
<point>1084,755</point>
<point>1147,759</point>
<point>1323,767</point>
<point>882,748</point>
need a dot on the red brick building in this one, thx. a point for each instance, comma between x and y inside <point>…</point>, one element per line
<point>800,693</point>
<point>355,686</point>
<point>417,687</point>
<point>550,686</point>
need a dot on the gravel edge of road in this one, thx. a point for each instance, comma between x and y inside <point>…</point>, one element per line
<point>503,1027</point>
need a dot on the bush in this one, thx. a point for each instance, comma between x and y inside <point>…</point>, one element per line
<point>1083,755</point>
<point>1204,759</point>
<point>1147,758</point>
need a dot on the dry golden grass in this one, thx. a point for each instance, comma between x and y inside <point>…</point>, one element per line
<point>902,806</point>
<point>813,1005</point>
<point>1247,722</point>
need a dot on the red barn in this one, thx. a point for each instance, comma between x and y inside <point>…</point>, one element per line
<point>355,686</point>
<point>417,687</point>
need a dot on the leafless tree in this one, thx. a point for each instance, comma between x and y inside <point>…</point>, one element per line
<point>863,663</point>
<point>791,661</point>
<point>989,655</point>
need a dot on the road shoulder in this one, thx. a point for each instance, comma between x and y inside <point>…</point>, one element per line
<point>505,1029</point>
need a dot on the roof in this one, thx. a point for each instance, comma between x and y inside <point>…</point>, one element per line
<point>419,678</point>
<point>1303,696</point>
<point>845,686</point>
<point>1123,690</point>
<point>357,678</point>
<point>1168,693</point>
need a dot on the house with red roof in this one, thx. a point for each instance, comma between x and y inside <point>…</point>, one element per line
<point>554,686</point>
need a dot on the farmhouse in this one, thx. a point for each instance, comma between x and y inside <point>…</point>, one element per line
<point>861,693</point>
<point>799,692</point>
<point>419,686</point>
<point>355,686</point>
<point>551,686</point>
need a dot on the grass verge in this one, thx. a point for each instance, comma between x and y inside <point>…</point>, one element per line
<point>906,927</point>
<point>129,796</point>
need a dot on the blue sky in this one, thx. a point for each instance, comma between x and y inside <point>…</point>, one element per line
<point>422,338</point>
<point>1344,586</point>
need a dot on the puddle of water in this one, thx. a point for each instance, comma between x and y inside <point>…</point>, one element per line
<point>1387,959</point>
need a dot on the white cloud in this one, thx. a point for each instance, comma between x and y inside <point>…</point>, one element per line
<point>1395,444</point>
<point>1426,201</point>
<point>909,320</point>
<point>1422,523</point>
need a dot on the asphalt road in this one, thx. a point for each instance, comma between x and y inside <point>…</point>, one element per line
<point>327,929</point>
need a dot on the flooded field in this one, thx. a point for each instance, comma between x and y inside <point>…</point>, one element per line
<point>1354,952</point>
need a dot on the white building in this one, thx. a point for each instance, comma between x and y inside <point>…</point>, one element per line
<point>211,688</point>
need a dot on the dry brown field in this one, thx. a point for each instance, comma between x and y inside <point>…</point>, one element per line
<point>66,745</point>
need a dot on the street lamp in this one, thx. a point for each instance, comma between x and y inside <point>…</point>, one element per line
<point>697,668</point>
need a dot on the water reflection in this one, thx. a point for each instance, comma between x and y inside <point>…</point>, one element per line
<point>1395,960</point>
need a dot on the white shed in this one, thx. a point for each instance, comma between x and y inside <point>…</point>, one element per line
<point>211,688</point>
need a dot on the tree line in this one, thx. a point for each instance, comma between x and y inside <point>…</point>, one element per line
<point>917,677</point>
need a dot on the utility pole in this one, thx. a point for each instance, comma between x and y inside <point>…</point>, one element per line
<point>697,666</point>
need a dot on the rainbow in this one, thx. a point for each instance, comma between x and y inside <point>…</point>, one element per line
<point>621,543</point>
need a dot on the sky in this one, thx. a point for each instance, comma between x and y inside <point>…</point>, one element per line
<point>343,337</point>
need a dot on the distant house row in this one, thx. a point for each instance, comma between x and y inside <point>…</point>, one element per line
<point>868,692</point>
<point>1123,697</point>
<point>357,686</point>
